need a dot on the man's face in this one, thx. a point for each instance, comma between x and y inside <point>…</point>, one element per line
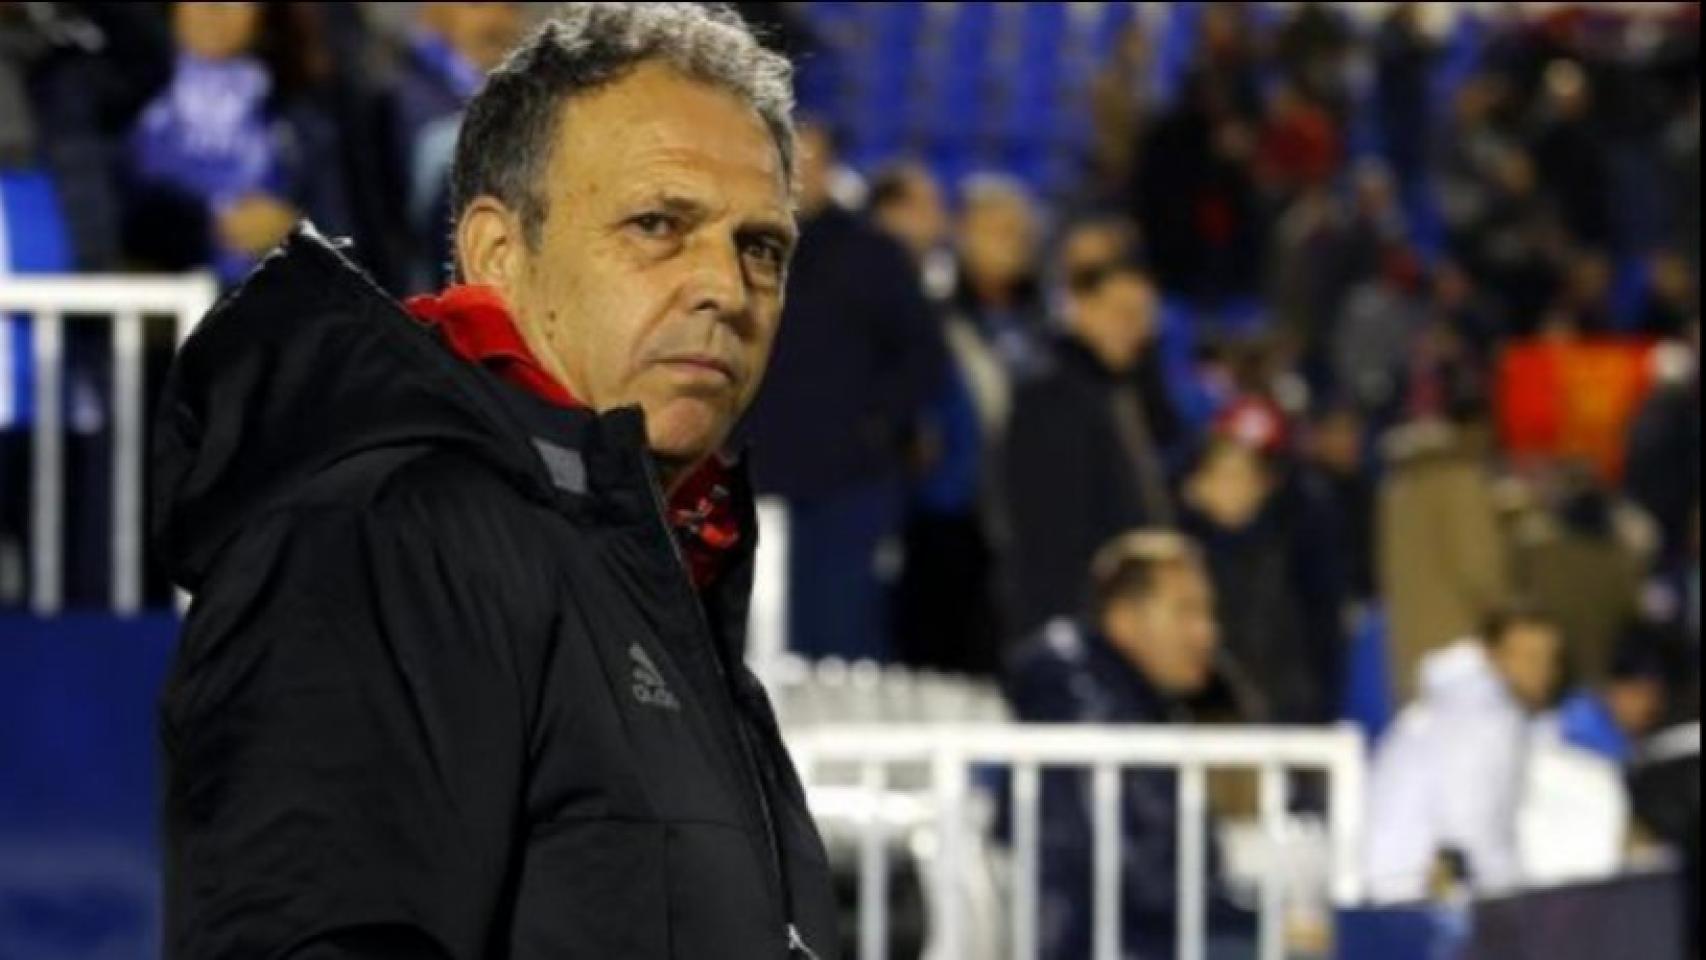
<point>1527,656</point>
<point>1120,316</point>
<point>1231,485</point>
<point>1170,634</point>
<point>997,238</point>
<point>920,218</point>
<point>1093,245</point>
<point>1338,442</point>
<point>1637,704</point>
<point>216,31</point>
<point>658,276</point>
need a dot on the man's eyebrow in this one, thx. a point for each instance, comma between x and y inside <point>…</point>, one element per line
<point>780,230</point>
<point>681,206</point>
<point>778,227</point>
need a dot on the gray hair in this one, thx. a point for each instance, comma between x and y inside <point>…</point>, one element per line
<point>510,126</point>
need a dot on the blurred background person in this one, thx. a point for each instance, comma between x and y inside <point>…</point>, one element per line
<point>857,357</point>
<point>1122,102</point>
<point>1373,339</point>
<point>1147,651</point>
<point>1613,716</point>
<point>1338,457</point>
<point>1086,454</point>
<point>1405,56</point>
<point>228,157</point>
<point>1195,192</point>
<point>1449,774</point>
<point>945,614</point>
<point>1086,243</point>
<point>447,51</point>
<point>1269,538</point>
<point>999,289</point>
<point>1442,555</point>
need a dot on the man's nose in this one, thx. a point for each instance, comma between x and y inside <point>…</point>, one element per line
<point>717,284</point>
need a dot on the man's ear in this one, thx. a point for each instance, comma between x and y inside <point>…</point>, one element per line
<point>489,244</point>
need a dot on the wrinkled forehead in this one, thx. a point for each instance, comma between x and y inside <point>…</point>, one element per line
<point>656,128</point>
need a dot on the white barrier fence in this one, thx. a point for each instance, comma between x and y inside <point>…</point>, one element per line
<point>865,760</point>
<point>126,302</point>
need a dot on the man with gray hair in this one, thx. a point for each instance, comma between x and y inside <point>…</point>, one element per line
<point>463,675</point>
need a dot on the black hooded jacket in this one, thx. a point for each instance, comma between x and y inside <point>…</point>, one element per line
<point>445,689</point>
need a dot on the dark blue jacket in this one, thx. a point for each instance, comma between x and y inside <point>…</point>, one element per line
<point>858,355</point>
<point>1070,485</point>
<point>1068,675</point>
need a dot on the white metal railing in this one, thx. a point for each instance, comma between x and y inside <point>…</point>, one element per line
<point>866,755</point>
<point>126,301</point>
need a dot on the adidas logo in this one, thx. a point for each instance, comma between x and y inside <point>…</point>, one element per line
<point>649,687</point>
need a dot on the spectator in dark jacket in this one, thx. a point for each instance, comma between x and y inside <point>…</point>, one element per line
<point>1570,154</point>
<point>1195,195</point>
<point>1086,451</point>
<point>1339,461</point>
<point>1272,547</point>
<point>857,357</point>
<point>1404,59</point>
<point>1147,652</point>
<point>945,608</point>
<point>1663,469</point>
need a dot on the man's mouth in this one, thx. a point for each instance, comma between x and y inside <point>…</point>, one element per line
<point>705,365</point>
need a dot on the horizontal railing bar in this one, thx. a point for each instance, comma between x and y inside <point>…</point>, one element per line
<point>107,293</point>
<point>1129,745</point>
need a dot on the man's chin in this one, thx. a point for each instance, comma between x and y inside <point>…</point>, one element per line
<point>684,433</point>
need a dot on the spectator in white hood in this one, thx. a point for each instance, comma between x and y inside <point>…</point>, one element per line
<point>1450,773</point>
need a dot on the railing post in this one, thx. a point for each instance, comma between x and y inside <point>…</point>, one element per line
<point>873,864</point>
<point>1348,799</point>
<point>47,487</point>
<point>127,426</point>
<point>767,633</point>
<point>1106,916</point>
<point>1027,802</point>
<point>1193,861</point>
<point>1272,803</point>
<point>949,772</point>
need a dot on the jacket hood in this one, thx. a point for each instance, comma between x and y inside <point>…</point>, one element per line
<point>1461,676</point>
<point>305,365</point>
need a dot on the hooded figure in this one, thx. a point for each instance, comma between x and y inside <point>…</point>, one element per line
<point>446,687</point>
<point>1449,776</point>
<point>464,676</point>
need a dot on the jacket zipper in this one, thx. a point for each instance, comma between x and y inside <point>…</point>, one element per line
<point>796,943</point>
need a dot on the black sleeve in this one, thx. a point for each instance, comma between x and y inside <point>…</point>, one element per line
<point>344,740</point>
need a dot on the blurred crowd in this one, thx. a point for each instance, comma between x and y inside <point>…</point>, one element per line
<point>1398,339</point>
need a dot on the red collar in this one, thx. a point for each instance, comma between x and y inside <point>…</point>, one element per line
<point>476,325</point>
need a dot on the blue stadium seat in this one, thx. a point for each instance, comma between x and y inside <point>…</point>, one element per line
<point>1114,19</point>
<point>1367,696</point>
